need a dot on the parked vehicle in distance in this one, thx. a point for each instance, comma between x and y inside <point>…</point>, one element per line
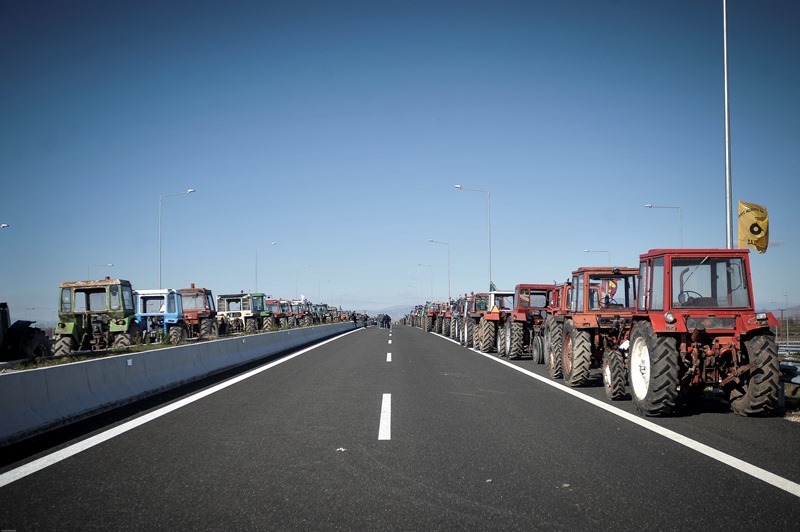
<point>522,329</point>
<point>243,313</point>
<point>21,340</point>
<point>199,312</point>
<point>159,314</point>
<point>95,315</point>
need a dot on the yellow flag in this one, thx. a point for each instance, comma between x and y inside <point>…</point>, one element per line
<point>753,226</point>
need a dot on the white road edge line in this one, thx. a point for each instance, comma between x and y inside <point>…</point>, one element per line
<point>388,357</point>
<point>745,467</point>
<point>385,427</point>
<point>41,463</point>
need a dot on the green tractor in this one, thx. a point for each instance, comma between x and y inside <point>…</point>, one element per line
<point>95,315</point>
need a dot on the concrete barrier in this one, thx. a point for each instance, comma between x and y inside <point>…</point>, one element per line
<point>37,400</point>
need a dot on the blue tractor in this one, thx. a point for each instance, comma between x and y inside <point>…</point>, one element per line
<point>159,313</point>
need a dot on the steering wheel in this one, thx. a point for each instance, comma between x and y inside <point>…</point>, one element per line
<point>687,295</point>
<point>608,301</point>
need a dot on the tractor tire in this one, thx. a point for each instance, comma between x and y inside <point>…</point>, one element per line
<point>553,338</point>
<point>576,354</point>
<point>469,333</point>
<point>501,341</point>
<point>614,377</point>
<point>537,349</point>
<point>446,328</point>
<point>488,336</point>
<point>514,336</point>
<point>250,326</point>
<point>307,321</point>
<point>64,346</point>
<point>653,372</point>
<point>177,335</point>
<point>453,328</point>
<point>268,323</point>
<point>209,330</point>
<point>34,344</point>
<point>132,337</point>
<point>428,324</point>
<point>758,395</point>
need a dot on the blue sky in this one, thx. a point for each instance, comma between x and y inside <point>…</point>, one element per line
<point>338,130</point>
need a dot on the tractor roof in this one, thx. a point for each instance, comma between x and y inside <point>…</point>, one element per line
<point>92,284</point>
<point>695,252</point>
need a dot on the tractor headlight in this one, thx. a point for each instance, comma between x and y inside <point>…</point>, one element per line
<point>669,317</point>
<point>761,316</point>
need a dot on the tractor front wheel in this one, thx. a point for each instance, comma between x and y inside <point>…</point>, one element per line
<point>553,338</point>
<point>177,334</point>
<point>537,349</point>
<point>487,336</point>
<point>501,341</point>
<point>209,330</point>
<point>34,344</point>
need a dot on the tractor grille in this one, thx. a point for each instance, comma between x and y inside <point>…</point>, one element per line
<point>710,322</point>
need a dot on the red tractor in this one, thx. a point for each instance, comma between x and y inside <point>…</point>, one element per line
<point>596,328</point>
<point>554,328</point>
<point>696,326</point>
<point>488,337</point>
<point>199,312</point>
<point>522,330</point>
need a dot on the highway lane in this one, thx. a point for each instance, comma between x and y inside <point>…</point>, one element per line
<point>473,444</point>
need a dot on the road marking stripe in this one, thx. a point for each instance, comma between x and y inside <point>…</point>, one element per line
<point>745,467</point>
<point>37,465</point>
<point>388,357</point>
<point>385,427</point>
<point>390,341</point>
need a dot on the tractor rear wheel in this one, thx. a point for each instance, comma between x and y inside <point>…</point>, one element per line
<point>759,392</point>
<point>428,324</point>
<point>469,333</point>
<point>501,341</point>
<point>177,334</point>
<point>514,336</point>
<point>577,354</point>
<point>446,327</point>
<point>307,321</point>
<point>537,349</point>
<point>553,338</point>
<point>209,330</point>
<point>453,328</point>
<point>34,344</point>
<point>250,326</point>
<point>653,372</point>
<point>487,336</point>
<point>614,375</point>
<point>268,323</point>
<point>64,345</point>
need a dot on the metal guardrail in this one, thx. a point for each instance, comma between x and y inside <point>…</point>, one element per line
<point>790,371</point>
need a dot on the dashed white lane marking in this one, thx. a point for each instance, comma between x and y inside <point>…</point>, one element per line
<point>37,465</point>
<point>385,428</point>
<point>390,341</point>
<point>388,357</point>
<point>745,467</point>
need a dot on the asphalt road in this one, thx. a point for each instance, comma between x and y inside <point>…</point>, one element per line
<point>466,443</point>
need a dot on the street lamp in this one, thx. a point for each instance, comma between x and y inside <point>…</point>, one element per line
<point>88,268</point>
<point>599,251</point>
<point>160,211</point>
<point>297,279</point>
<point>786,300</point>
<point>489,223</point>
<point>257,248</point>
<point>4,226</point>
<point>431,267</point>
<point>432,241</point>
<point>680,215</point>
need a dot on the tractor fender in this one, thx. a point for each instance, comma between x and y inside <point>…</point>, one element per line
<point>114,327</point>
<point>68,329</point>
<point>16,333</point>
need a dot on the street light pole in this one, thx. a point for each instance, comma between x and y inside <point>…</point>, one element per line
<point>489,223</point>
<point>680,215</point>
<point>160,212</point>
<point>88,268</point>
<point>257,248</point>
<point>599,251</point>
<point>786,301</point>
<point>448,263</point>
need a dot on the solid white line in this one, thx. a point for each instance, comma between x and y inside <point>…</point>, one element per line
<point>50,459</point>
<point>385,427</point>
<point>388,357</point>
<point>745,467</point>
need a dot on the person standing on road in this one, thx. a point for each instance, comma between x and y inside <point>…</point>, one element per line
<point>387,321</point>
